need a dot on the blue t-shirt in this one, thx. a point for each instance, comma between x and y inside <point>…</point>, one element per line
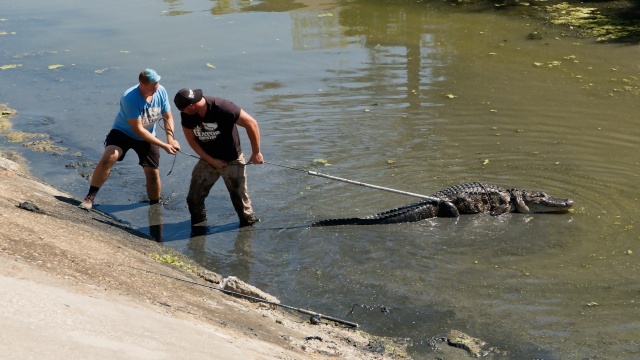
<point>134,106</point>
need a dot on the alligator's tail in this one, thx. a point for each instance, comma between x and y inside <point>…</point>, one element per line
<point>347,221</point>
<point>410,213</point>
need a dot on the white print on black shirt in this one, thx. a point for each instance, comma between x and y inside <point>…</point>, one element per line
<point>150,115</point>
<point>207,132</point>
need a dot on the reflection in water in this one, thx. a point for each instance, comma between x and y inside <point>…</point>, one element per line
<point>237,262</point>
<point>155,221</point>
<point>242,256</point>
<point>199,230</point>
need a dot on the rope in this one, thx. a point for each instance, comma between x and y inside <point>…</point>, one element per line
<point>193,156</point>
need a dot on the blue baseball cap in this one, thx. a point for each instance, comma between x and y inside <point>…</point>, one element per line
<point>152,75</point>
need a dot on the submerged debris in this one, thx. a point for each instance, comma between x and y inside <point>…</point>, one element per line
<point>535,35</point>
<point>45,146</point>
<point>9,66</point>
<point>79,164</point>
<point>461,340</point>
<point>20,136</point>
<point>321,161</point>
<point>5,114</point>
<point>473,346</point>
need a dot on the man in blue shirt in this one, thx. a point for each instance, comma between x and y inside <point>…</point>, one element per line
<point>141,107</point>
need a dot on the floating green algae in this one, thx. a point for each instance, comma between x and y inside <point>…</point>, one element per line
<point>591,22</point>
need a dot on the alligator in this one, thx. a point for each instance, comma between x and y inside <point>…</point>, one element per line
<point>468,198</point>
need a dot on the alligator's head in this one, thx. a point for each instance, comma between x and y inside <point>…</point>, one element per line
<point>539,202</point>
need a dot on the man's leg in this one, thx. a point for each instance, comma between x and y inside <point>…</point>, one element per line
<point>149,159</point>
<point>154,185</point>
<point>101,173</point>
<point>235,178</point>
<point>155,222</point>
<point>203,177</point>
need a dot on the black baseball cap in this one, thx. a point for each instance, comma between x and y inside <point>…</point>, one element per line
<point>186,97</point>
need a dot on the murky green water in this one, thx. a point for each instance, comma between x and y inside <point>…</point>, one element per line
<point>405,95</point>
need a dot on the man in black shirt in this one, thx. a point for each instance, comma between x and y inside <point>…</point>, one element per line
<point>209,125</point>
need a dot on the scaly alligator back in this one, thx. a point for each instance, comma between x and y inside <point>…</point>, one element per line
<point>474,198</point>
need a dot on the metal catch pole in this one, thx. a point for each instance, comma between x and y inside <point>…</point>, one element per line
<point>420,196</point>
<point>424,197</point>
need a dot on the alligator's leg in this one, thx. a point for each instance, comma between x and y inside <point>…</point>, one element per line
<point>503,206</point>
<point>447,209</point>
<point>502,209</point>
<point>416,212</point>
<point>519,203</point>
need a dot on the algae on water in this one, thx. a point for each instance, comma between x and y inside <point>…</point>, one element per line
<point>591,22</point>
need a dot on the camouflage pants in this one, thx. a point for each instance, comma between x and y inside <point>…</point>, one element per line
<point>204,176</point>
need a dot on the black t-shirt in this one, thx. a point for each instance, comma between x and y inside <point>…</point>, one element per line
<point>216,132</point>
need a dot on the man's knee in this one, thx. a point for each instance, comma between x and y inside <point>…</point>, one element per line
<point>111,154</point>
<point>152,174</point>
<point>108,160</point>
